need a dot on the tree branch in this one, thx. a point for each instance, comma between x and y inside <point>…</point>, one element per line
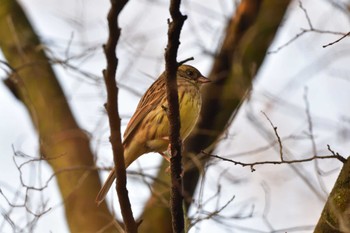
<point>113,114</point>
<point>252,165</point>
<point>34,82</point>
<point>171,65</point>
<point>335,214</point>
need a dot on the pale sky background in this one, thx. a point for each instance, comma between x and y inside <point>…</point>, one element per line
<point>275,192</point>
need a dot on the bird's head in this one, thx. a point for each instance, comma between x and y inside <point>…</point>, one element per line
<point>191,74</point>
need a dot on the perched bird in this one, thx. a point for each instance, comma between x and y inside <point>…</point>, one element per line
<point>148,128</point>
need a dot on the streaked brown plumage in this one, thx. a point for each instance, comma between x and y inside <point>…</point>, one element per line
<point>148,128</point>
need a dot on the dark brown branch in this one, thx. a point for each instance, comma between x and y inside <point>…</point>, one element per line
<point>337,155</point>
<point>252,165</point>
<point>336,41</point>
<point>113,114</point>
<point>171,65</point>
<point>186,60</point>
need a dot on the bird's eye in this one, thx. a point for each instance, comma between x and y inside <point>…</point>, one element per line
<point>190,73</point>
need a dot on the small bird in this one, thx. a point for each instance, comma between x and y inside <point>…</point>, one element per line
<point>148,129</point>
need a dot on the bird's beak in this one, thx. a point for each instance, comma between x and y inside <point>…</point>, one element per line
<point>203,80</point>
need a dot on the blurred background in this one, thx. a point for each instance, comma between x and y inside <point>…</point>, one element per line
<point>301,86</point>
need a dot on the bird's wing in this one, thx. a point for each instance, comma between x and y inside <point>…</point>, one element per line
<point>149,101</point>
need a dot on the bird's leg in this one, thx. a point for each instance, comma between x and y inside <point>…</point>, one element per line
<point>165,109</point>
<point>165,156</point>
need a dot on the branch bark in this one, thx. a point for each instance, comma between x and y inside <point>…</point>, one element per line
<point>335,216</point>
<point>175,27</point>
<point>113,114</point>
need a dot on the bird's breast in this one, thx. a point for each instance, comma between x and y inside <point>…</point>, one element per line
<point>190,104</point>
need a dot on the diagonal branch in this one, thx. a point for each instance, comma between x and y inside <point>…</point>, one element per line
<point>113,114</point>
<point>63,144</point>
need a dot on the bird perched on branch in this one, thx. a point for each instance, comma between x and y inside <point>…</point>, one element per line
<point>148,129</point>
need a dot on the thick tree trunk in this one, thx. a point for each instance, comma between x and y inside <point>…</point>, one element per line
<point>62,142</point>
<point>156,216</point>
<point>335,216</point>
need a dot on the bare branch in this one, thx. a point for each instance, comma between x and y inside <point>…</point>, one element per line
<point>252,165</point>
<point>113,114</point>
<point>336,41</point>
<point>310,29</point>
<point>186,60</point>
<point>276,133</point>
<point>306,15</point>
<point>174,30</point>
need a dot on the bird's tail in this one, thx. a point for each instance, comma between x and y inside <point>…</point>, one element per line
<point>105,188</point>
<point>129,157</point>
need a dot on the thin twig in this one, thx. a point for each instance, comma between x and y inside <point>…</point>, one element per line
<point>336,41</point>
<point>341,158</point>
<point>309,121</point>
<point>113,114</point>
<point>313,142</point>
<point>310,29</point>
<point>171,66</point>
<point>277,136</point>
<point>252,165</point>
<point>186,60</point>
<point>306,15</point>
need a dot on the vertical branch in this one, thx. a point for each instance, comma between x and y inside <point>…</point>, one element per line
<point>171,65</point>
<point>113,114</point>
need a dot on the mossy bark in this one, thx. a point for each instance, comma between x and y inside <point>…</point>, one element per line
<point>156,217</point>
<point>335,216</point>
<point>64,145</point>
